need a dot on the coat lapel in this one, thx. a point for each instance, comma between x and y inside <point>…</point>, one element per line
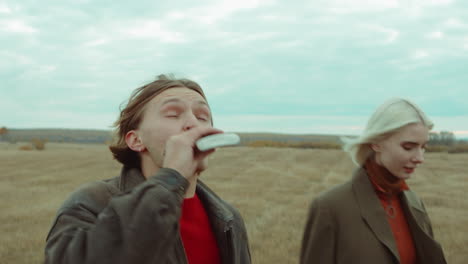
<point>428,250</point>
<point>416,210</point>
<point>372,211</point>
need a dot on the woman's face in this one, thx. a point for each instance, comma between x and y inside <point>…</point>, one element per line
<point>403,151</point>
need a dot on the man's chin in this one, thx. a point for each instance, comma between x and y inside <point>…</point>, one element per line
<point>203,166</point>
<point>199,171</point>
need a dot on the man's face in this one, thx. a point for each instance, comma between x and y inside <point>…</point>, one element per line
<point>169,113</point>
<point>402,152</point>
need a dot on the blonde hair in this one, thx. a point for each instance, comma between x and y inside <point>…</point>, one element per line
<point>388,118</point>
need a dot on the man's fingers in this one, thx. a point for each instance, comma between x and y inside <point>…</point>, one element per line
<point>200,155</point>
<point>181,153</point>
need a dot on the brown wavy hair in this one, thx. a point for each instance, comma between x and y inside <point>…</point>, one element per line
<point>132,114</point>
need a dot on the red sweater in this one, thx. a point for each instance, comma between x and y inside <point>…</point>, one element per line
<point>387,188</point>
<point>198,238</point>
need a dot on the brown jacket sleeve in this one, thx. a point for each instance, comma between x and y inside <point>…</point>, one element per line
<point>93,226</point>
<point>318,243</point>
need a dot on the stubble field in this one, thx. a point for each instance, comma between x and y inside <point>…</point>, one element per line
<point>271,187</point>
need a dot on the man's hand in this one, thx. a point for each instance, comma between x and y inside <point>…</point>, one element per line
<point>182,155</point>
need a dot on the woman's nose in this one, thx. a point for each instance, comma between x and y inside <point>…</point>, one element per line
<point>419,156</point>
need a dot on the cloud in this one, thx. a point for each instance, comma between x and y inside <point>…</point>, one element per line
<point>96,42</point>
<point>419,54</point>
<point>391,34</point>
<point>330,124</point>
<point>9,58</point>
<point>153,29</point>
<point>175,15</point>
<point>454,23</point>
<point>212,13</point>
<point>406,8</point>
<point>24,66</point>
<point>353,6</point>
<point>16,26</point>
<point>4,9</point>
<point>439,2</point>
<point>265,65</point>
<point>45,69</point>
<point>295,124</point>
<point>457,124</point>
<point>461,133</point>
<point>435,35</point>
<point>61,119</point>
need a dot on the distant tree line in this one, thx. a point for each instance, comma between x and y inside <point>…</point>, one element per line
<point>3,133</point>
<point>444,138</point>
<point>55,135</point>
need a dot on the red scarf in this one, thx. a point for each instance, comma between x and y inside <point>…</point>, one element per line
<point>387,188</point>
<point>383,180</point>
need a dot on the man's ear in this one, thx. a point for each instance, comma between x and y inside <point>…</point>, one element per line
<point>375,147</point>
<point>132,138</point>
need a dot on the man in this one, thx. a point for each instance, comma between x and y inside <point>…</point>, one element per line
<point>156,211</point>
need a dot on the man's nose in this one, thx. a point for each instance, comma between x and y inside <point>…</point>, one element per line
<point>190,122</point>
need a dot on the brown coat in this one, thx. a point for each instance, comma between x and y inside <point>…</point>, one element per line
<point>128,219</point>
<point>347,224</point>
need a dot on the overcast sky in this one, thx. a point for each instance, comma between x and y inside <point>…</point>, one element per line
<point>266,66</point>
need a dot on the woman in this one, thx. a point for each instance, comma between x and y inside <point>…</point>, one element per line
<point>374,217</point>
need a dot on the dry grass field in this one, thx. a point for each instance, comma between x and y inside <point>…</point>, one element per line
<point>271,187</point>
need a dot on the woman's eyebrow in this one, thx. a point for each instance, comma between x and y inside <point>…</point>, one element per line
<point>410,142</point>
<point>413,143</point>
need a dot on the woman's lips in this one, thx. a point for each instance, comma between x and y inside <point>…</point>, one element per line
<point>409,170</point>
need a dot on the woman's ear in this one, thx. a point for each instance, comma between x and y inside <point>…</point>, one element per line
<point>133,140</point>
